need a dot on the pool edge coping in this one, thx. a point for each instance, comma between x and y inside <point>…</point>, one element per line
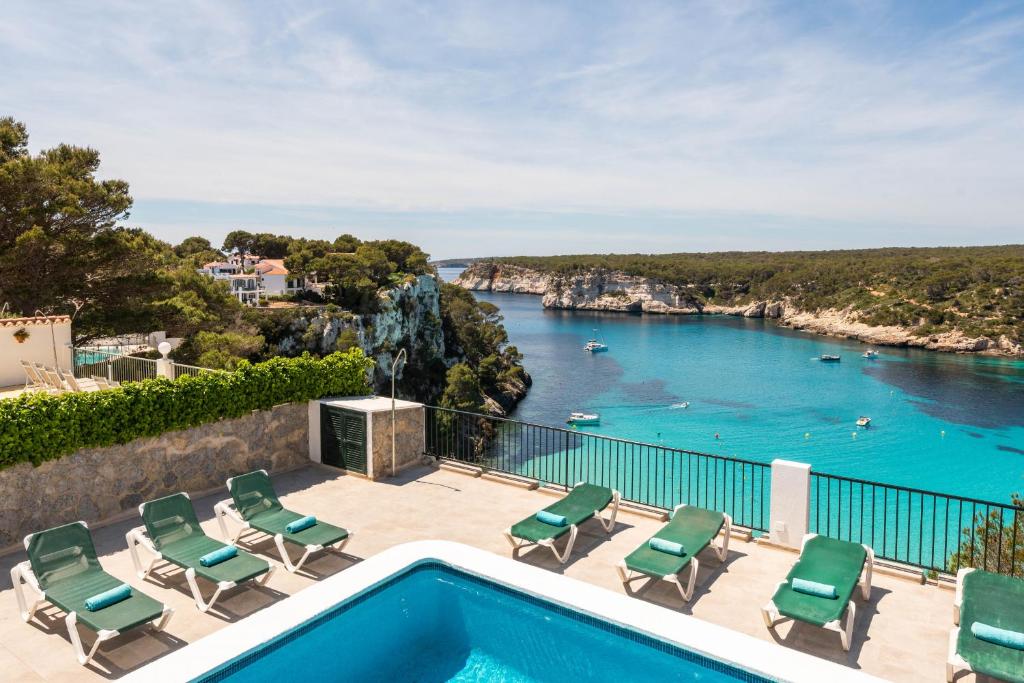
<point>690,633</point>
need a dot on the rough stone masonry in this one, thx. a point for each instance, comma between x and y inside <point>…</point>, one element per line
<point>94,484</point>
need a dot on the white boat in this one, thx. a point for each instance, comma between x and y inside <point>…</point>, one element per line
<point>870,353</point>
<point>829,358</point>
<point>576,418</point>
<point>863,421</point>
<point>595,346</point>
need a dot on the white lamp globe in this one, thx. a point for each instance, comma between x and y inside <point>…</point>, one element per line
<point>164,348</point>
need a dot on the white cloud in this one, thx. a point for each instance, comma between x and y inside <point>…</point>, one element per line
<point>867,116</point>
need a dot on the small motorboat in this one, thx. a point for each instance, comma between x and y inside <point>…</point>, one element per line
<point>870,353</point>
<point>863,421</point>
<point>577,418</point>
<point>828,358</point>
<point>595,346</point>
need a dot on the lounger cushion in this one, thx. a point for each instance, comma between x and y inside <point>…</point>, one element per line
<point>693,528</point>
<point>998,601</point>
<point>578,506</point>
<point>257,502</point>
<point>70,596</point>
<point>174,529</point>
<point>824,560</point>
<point>186,554</point>
<point>64,562</point>
<point>273,522</point>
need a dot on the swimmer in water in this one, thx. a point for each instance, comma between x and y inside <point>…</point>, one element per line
<point>716,435</point>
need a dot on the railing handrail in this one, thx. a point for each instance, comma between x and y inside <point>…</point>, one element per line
<point>604,437</point>
<point>910,489</point>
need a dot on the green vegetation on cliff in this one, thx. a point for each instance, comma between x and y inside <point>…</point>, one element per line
<point>977,290</point>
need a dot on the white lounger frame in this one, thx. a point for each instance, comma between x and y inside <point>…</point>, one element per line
<point>771,615</point>
<point>563,557</point>
<point>226,509</point>
<point>721,551</point>
<point>138,537</point>
<point>23,577</point>
<point>954,662</point>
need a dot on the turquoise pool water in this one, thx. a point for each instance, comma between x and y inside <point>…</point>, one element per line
<point>434,623</point>
<point>941,422</point>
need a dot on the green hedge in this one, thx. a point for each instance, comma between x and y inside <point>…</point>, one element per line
<point>35,427</point>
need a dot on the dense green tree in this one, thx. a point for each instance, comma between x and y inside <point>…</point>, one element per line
<point>407,257</point>
<point>61,250</point>
<point>193,303</point>
<point>193,245</point>
<point>346,243</point>
<point>225,350</point>
<point>462,389</point>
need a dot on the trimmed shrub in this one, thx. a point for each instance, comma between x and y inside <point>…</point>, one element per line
<point>36,427</point>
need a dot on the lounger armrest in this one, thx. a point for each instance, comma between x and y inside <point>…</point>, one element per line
<point>869,567</point>
<point>226,509</point>
<point>958,597</point>
<point>29,576</point>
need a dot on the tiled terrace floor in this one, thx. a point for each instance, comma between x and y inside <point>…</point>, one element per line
<point>901,633</point>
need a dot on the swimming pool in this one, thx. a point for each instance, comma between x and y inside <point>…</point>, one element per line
<point>452,626</point>
<point>454,613</point>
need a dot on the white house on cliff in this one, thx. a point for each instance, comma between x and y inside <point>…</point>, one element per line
<point>252,278</point>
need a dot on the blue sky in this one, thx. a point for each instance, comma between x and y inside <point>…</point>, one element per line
<point>520,128</point>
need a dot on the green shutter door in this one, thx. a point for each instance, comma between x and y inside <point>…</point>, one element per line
<point>343,438</point>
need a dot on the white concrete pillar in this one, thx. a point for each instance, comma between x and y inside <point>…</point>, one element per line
<point>790,502</point>
<point>164,366</point>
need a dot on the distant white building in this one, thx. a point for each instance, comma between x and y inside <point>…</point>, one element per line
<point>252,278</point>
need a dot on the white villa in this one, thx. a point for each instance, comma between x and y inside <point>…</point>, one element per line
<point>252,277</point>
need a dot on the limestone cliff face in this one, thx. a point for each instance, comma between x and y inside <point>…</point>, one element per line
<point>408,316</point>
<point>602,290</point>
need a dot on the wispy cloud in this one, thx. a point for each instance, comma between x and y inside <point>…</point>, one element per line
<point>771,122</point>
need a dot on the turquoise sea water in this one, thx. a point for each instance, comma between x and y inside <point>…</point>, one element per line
<point>940,422</point>
<point>453,627</point>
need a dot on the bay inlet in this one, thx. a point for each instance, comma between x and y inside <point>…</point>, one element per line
<point>939,422</point>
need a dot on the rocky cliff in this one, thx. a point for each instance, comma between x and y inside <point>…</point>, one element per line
<point>409,317</point>
<point>603,290</point>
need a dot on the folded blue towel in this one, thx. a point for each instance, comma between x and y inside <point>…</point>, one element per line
<point>664,546</point>
<point>821,590</point>
<point>999,636</point>
<point>219,555</point>
<point>300,524</point>
<point>551,518</point>
<point>108,597</point>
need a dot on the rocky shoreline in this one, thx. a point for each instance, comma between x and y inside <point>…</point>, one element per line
<point>601,290</point>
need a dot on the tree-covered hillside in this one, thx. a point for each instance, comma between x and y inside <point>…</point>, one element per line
<point>65,248</point>
<point>977,290</point>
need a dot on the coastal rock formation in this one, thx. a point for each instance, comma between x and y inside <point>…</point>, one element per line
<point>408,316</point>
<point>602,290</point>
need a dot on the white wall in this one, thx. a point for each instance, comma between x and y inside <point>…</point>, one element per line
<point>790,502</point>
<point>38,348</point>
<point>275,284</point>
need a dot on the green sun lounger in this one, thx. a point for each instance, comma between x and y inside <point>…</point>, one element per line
<point>580,504</point>
<point>63,569</point>
<point>172,533</point>
<point>254,505</point>
<point>824,560</point>
<point>691,527</point>
<point>992,599</point>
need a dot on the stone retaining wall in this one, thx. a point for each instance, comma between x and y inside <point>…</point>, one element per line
<point>98,483</point>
